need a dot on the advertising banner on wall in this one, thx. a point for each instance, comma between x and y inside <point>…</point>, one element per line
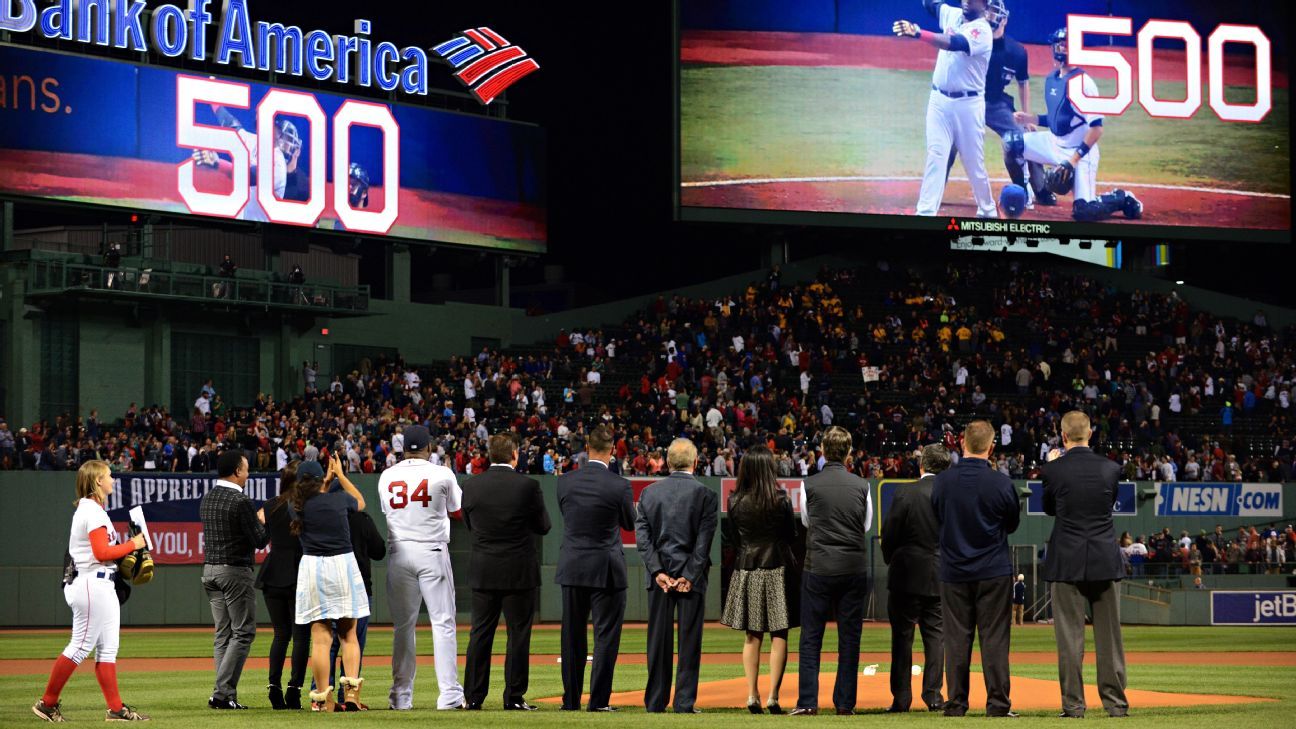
<point>1230,607</point>
<point>1220,499</point>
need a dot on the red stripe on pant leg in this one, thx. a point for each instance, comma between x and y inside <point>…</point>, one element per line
<point>484,65</point>
<point>487,92</point>
<point>494,36</point>
<point>480,39</point>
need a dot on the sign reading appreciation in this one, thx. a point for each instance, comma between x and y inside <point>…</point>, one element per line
<point>1219,499</point>
<point>170,502</point>
<point>1229,607</point>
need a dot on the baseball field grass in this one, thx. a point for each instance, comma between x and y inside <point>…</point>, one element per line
<point>796,121</point>
<point>1224,661</point>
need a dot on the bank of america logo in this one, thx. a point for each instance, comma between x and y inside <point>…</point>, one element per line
<point>488,64</point>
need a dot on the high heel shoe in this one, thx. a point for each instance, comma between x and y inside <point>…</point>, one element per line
<point>774,708</point>
<point>753,705</point>
<point>276,698</point>
<point>292,698</point>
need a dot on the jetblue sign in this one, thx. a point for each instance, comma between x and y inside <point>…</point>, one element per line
<point>1219,499</point>
<point>1253,608</point>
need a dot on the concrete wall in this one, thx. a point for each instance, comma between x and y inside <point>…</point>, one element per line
<point>31,559</point>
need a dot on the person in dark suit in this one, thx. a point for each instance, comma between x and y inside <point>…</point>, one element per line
<point>504,511</point>
<point>837,510</point>
<point>911,548</point>
<point>595,505</point>
<point>977,508</point>
<point>277,580</point>
<point>674,530</point>
<point>1083,565</point>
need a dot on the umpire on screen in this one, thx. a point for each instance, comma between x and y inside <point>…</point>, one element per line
<point>977,508</point>
<point>1084,566</point>
<point>910,547</point>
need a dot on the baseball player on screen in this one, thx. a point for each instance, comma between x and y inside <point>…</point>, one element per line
<point>287,150</point>
<point>1009,63</point>
<point>1071,142</point>
<point>956,106</point>
<point>417,499</point>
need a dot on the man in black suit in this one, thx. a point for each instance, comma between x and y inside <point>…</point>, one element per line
<point>596,505</point>
<point>836,510</point>
<point>1084,566</point>
<point>911,548</point>
<point>504,511</point>
<point>674,530</point>
<point>977,508</point>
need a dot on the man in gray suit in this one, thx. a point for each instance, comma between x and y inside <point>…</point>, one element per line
<point>1084,566</point>
<point>674,529</point>
<point>911,548</point>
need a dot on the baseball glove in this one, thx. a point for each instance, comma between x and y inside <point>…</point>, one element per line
<point>1061,179</point>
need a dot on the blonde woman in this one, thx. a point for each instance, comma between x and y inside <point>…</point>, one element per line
<point>330,586</point>
<point>96,614</point>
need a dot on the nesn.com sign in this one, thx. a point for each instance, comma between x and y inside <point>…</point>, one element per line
<point>1219,499</point>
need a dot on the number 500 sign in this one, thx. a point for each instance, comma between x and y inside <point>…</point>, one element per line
<point>1079,25</point>
<point>192,90</point>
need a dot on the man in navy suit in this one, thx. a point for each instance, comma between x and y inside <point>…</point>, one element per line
<point>977,508</point>
<point>1083,566</point>
<point>596,505</point>
<point>674,530</point>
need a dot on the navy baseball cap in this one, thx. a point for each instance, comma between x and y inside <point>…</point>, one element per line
<point>417,438</point>
<point>310,469</point>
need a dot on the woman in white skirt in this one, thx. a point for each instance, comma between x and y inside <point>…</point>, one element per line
<point>330,588</point>
<point>760,520</point>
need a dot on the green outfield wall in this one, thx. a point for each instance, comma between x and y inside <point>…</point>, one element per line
<point>33,544</point>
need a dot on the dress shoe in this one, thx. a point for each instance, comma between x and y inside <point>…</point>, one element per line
<point>224,704</point>
<point>688,711</point>
<point>755,707</point>
<point>936,707</point>
<point>1005,715</point>
<point>954,711</point>
<point>605,709</point>
<point>1119,715</point>
<point>1065,715</point>
<point>570,708</point>
<point>774,708</point>
<point>804,711</point>
<point>845,712</point>
<point>893,709</point>
<point>470,706</point>
<point>518,706</point>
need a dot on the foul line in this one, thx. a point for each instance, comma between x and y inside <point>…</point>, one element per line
<point>865,178</point>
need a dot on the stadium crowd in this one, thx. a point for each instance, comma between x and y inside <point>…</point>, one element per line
<point>1252,550</point>
<point>901,358</point>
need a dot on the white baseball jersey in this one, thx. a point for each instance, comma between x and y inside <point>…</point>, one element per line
<point>89,516</point>
<point>958,71</point>
<point>416,498</point>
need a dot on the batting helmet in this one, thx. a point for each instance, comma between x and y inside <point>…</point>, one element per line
<point>286,137</point>
<point>997,13</point>
<point>1013,200</point>
<point>357,186</point>
<point>1059,43</point>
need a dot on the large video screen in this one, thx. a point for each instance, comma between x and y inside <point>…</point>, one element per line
<point>1095,118</point>
<point>90,130</point>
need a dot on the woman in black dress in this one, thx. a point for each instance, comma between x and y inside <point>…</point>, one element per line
<point>760,513</point>
<point>277,581</point>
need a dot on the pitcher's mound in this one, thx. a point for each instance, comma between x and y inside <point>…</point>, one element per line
<point>875,693</point>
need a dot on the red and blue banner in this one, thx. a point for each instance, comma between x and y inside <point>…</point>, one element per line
<point>170,502</point>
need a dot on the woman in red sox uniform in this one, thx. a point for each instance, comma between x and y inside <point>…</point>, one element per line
<point>96,614</point>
